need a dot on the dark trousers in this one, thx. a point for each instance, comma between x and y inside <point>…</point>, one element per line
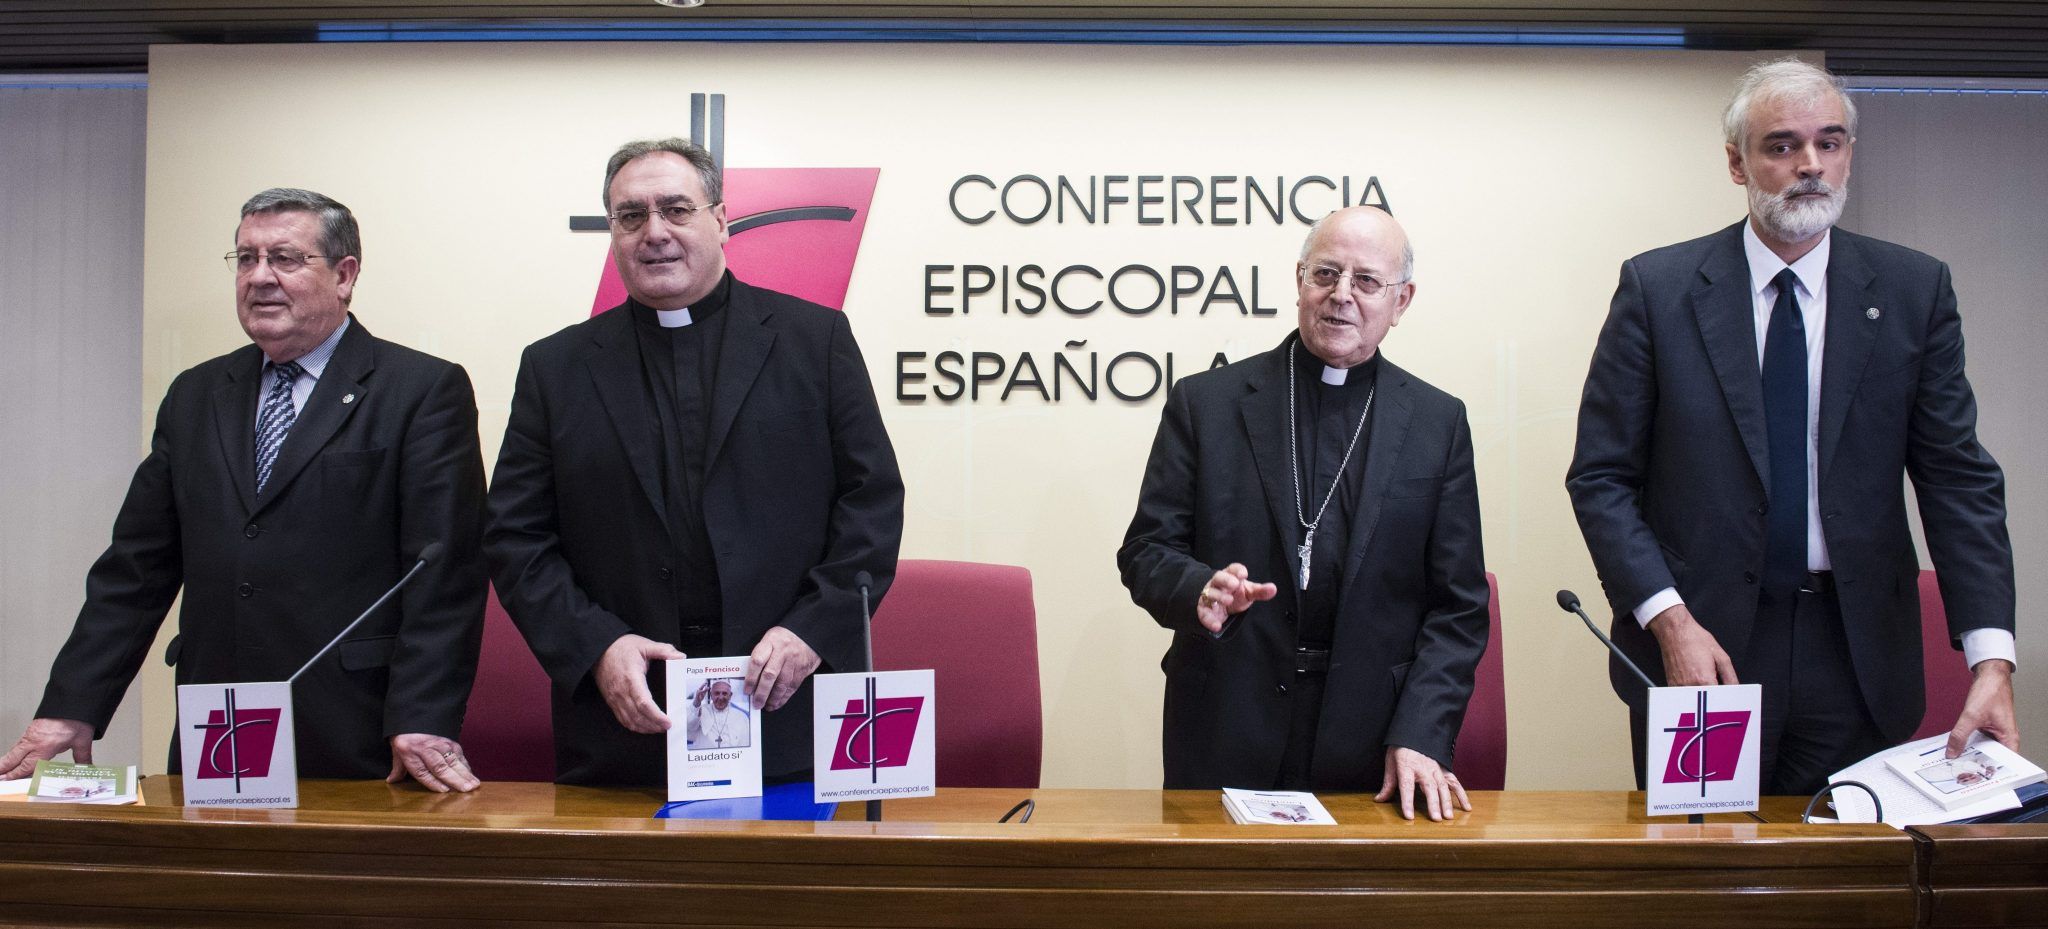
<point>1815,722</point>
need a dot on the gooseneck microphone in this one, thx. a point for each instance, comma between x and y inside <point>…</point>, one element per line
<point>428,556</point>
<point>864,580</point>
<point>1569,602</point>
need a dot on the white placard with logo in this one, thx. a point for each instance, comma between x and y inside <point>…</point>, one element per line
<point>714,734</point>
<point>874,735</point>
<point>236,742</point>
<point>1702,749</point>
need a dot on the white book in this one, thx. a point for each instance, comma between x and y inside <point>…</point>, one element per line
<point>1275,807</point>
<point>1984,768</point>
<point>714,734</point>
<point>1904,805</point>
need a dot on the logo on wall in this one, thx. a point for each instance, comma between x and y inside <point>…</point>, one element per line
<point>1705,745</point>
<point>238,741</point>
<point>796,230</point>
<point>876,733</point>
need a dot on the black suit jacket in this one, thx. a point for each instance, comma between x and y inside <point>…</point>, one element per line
<point>1669,478</point>
<point>381,462</point>
<point>801,493</point>
<point>1411,621</point>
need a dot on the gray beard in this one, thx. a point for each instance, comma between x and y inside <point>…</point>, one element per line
<point>1792,221</point>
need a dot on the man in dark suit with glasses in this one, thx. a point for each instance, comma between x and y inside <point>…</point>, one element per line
<point>289,483</point>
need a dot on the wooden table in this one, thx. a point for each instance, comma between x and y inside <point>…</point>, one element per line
<point>1968,875</point>
<point>367,854</point>
<point>1983,875</point>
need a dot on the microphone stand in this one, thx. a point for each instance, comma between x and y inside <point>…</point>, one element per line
<point>427,556</point>
<point>1569,602</point>
<point>867,642</point>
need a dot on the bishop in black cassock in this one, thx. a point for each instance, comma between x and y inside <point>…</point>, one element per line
<point>1308,527</point>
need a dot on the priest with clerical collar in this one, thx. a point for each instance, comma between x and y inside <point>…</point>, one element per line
<point>1308,526</point>
<point>679,359</point>
<point>700,471</point>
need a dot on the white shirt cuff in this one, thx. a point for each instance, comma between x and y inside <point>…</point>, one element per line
<point>1659,602</point>
<point>1983,644</point>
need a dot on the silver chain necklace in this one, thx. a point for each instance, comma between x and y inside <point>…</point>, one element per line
<point>1308,541</point>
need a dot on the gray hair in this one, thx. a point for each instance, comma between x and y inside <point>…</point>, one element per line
<point>707,166</point>
<point>339,237</point>
<point>1407,249</point>
<point>1783,79</point>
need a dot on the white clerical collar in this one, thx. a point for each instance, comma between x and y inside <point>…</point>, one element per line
<point>673,319</point>
<point>1335,377</point>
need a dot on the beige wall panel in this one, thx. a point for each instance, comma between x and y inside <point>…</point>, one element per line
<point>1524,177</point>
<point>71,305</point>
<point>1938,172</point>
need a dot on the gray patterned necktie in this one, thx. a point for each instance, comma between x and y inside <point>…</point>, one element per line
<point>275,420</point>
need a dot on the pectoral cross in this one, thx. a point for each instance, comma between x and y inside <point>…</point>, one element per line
<point>1308,546</point>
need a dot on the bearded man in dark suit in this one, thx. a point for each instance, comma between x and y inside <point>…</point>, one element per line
<point>1756,401</point>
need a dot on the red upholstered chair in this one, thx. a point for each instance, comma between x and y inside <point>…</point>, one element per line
<point>1482,757</point>
<point>1948,682</point>
<point>976,625</point>
<point>508,734</point>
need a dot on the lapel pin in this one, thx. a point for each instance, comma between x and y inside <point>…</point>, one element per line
<point>351,398</point>
<point>1872,313</point>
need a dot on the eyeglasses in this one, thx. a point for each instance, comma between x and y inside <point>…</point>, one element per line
<point>282,261</point>
<point>675,214</point>
<point>1365,285</point>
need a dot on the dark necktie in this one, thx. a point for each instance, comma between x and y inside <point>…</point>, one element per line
<point>275,420</point>
<point>1785,418</point>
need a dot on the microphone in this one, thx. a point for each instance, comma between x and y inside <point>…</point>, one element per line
<point>864,580</point>
<point>428,555</point>
<point>1569,602</point>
